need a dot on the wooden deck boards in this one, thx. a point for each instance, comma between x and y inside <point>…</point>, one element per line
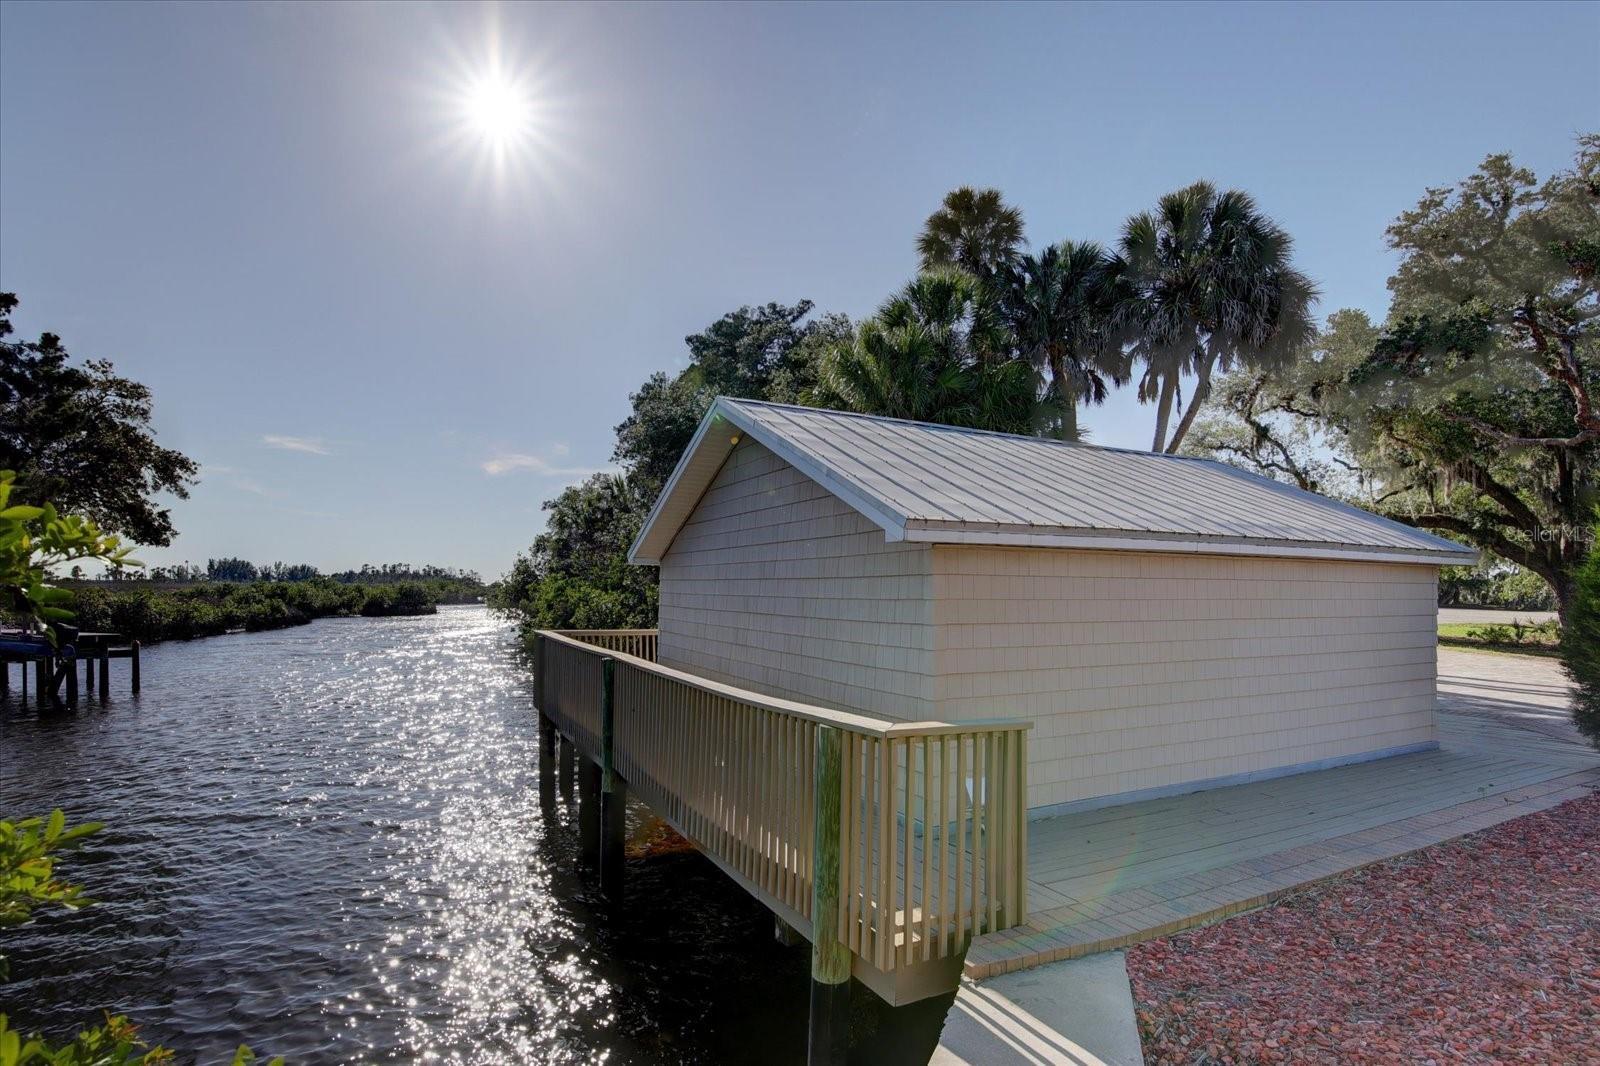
<point>1103,879</point>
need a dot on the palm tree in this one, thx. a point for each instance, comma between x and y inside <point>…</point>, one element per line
<point>974,230</point>
<point>1210,286</point>
<point>930,354</point>
<point>1060,306</point>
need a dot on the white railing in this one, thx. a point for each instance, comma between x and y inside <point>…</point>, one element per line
<point>930,816</point>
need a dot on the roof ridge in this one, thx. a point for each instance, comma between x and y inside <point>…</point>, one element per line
<point>969,431</point>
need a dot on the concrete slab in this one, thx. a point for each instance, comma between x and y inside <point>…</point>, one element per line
<point>1076,1013</point>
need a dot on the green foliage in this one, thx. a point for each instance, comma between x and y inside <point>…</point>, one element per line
<point>974,230</point>
<point>407,597</point>
<point>208,609</point>
<point>1580,643</point>
<point>1476,408</point>
<point>28,852</point>
<point>1472,410</point>
<point>760,353</point>
<point>1210,286</point>
<point>33,540</point>
<point>934,352</point>
<point>231,570</point>
<point>576,575</point>
<point>1494,583</point>
<point>80,436</point>
<point>1060,307</point>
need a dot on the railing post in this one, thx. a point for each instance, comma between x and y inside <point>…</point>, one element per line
<point>613,789</point>
<point>828,1043</point>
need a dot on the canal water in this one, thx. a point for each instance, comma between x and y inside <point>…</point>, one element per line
<point>327,842</point>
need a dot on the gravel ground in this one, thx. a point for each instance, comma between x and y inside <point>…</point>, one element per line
<point>1483,949</point>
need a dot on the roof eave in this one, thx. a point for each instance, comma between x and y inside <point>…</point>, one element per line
<point>926,532</point>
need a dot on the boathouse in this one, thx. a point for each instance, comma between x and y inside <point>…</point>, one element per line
<point>1164,623</point>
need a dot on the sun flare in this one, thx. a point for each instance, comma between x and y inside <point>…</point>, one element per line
<point>498,109</point>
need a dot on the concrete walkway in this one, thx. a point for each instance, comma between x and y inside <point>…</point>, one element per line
<point>1103,879</point>
<point>1026,1018</point>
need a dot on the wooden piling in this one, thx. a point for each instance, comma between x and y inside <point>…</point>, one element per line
<point>88,674</point>
<point>105,673</point>
<point>133,664</point>
<point>42,667</point>
<point>69,659</point>
<point>613,789</point>
<point>568,767</point>
<point>828,1043</point>
<point>589,813</point>
<point>5,677</point>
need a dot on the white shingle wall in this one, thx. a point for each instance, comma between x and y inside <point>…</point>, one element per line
<point>1139,670</point>
<point>777,585</point>
<point>1143,670</point>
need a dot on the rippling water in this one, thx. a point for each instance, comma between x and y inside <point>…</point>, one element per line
<point>327,842</point>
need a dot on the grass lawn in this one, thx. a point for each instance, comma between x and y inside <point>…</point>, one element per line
<point>1482,949</point>
<point>1542,639</point>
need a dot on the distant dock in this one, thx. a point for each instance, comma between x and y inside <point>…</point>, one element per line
<point>55,666</point>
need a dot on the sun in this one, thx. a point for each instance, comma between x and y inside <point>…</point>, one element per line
<point>498,109</point>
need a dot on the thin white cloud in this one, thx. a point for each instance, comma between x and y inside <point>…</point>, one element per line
<point>538,465</point>
<point>309,445</point>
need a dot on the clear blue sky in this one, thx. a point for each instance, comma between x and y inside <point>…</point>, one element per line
<point>270,214</point>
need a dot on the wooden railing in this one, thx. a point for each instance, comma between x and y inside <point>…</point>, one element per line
<point>639,643</point>
<point>930,817</point>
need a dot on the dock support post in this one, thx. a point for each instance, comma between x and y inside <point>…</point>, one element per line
<point>828,1043</point>
<point>105,673</point>
<point>5,677</point>
<point>569,767</point>
<point>589,813</point>
<point>133,664</point>
<point>88,674</point>
<point>41,676</point>
<point>613,789</point>
<point>69,657</point>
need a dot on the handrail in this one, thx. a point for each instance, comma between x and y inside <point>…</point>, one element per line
<point>931,816</point>
<point>859,723</point>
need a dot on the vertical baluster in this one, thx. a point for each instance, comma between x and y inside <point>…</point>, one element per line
<point>927,847</point>
<point>997,829</point>
<point>979,795</point>
<point>885,798</point>
<point>961,835</point>
<point>907,911</point>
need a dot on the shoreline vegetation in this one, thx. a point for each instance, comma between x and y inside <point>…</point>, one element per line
<point>155,611</point>
<point>1543,638</point>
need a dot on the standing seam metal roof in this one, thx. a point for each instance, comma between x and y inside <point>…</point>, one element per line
<point>945,484</point>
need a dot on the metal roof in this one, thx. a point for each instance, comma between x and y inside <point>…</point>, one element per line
<point>947,485</point>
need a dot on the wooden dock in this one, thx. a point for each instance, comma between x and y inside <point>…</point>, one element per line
<point>55,665</point>
<point>889,845</point>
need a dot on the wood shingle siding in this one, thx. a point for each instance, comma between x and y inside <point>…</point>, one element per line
<point>777,584</point>
<point>1143,671</point>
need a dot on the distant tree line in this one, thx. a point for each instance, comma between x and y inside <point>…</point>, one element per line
<point>445,584</point>
<point>211,608</point>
